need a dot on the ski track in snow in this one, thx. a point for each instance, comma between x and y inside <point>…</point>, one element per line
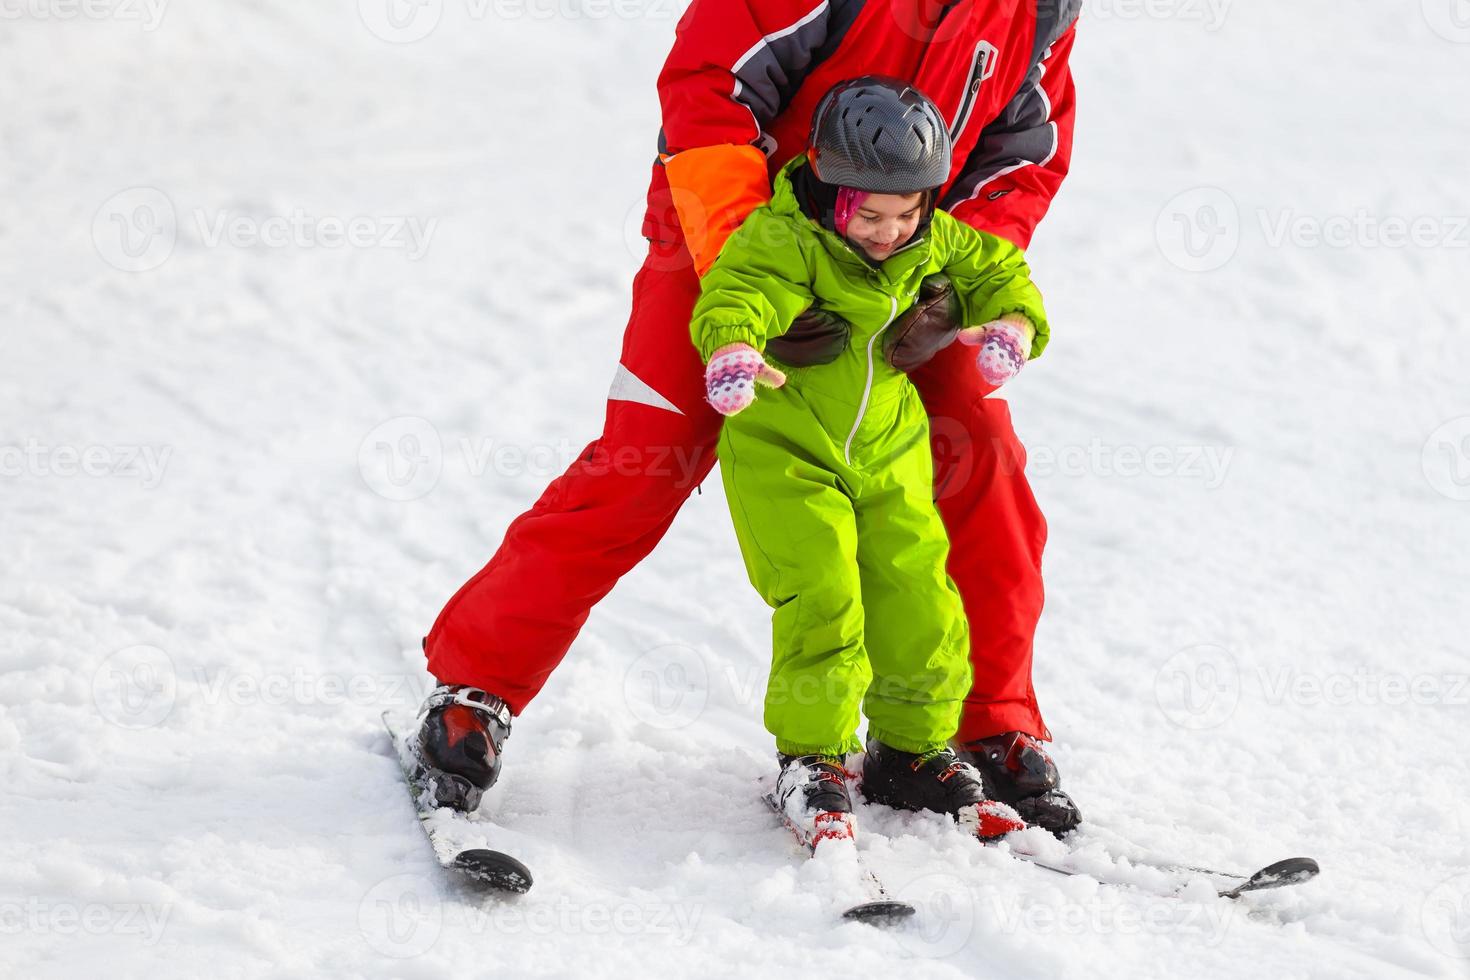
<point>224,802</point>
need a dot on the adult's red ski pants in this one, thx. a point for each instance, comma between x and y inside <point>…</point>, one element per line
<point>509,626</point>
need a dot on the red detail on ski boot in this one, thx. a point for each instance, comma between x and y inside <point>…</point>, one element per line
<point>990,820</point>
<point>812,797</point>
<point>1017,770</point>
<point>832,826</point>
<point>459,723</point>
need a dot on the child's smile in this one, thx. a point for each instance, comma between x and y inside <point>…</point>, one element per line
<point>884,223</point>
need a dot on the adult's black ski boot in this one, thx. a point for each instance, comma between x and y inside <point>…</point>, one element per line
<point>1018,771</point>
<point>461,733</point>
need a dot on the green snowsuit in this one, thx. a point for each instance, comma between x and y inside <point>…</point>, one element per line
<point>830,478</point>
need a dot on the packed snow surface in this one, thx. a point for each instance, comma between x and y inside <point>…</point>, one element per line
<point>303,302</point>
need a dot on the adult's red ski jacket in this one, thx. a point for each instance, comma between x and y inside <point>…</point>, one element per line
<point>744,76</point>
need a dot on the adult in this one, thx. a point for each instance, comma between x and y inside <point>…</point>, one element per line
<point>738,91</point>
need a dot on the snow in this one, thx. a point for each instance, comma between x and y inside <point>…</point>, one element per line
<point>245,462</point>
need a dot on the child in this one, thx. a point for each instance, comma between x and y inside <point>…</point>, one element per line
<point>829,474</point>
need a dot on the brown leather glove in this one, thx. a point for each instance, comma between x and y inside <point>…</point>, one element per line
<point>929,326</point>
<point>815,337</point>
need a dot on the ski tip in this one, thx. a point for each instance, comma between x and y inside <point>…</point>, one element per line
<point>1292,871</point>
<point>879,913</point>
<point>1287,872</point>
<point>500,871</point>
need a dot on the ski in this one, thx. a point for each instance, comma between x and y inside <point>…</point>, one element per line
<point>1284,873</point>
<point>1291,871</point>
<point>1116,848</point>
<point>442,825</point>
<point>879,908</point>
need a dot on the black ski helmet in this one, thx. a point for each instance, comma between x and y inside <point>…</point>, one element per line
<point>881,135</point>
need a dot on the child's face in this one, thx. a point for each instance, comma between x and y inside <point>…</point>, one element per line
<point>884,223</point>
